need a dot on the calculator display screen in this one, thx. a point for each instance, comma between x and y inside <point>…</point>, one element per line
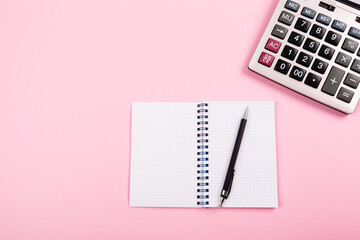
<point>352,3</point>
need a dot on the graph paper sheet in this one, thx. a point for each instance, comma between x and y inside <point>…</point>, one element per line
<point>164,154</point>
<point>255,180</point>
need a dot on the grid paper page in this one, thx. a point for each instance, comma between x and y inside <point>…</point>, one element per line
<point>163,155</point>
<point>255,180</point>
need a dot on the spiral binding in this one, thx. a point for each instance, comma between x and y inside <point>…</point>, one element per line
<point>202,159</point>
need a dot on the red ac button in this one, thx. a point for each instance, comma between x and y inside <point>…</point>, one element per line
<point>273,45</point>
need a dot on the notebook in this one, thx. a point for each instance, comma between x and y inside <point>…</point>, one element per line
<point>180,152</point>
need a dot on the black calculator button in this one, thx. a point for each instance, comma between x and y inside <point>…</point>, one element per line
<point>343,59</point>
<point>322,18</point>
<point>350,45</point>
<point>333,81</point>
<point>356,66</point>
<point>352,80</point>
<point>292,6</point>
<point>326,52</point>
<point>297,73</point>
<point>307,12</point>
<point>279,31</point>
<point>333,38</point>
<point>296,38</point>
<point>319,66</point>
<point>282,66</point>
<point>311,45</point>
<point>286,18</point>
<point>304,59</point>
<point>354,32</point>
<point>340,26</point>
<point>302,25</point>
<point>345,95</point>
<point>312,80</point>
<point>317,31</point>
<point>289,52</point>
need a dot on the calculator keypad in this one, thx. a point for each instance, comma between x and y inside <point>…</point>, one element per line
<point>302,25</point>
<point>289,52</point>
<point>326,52</point>
<point>279,31</point>
<point>333,38</point>
<point>296,38</point>
<point>317,31</point>
<point>313,80</point>
<point>311,45</point>
<point>333,81</point>
<point>302,46</point>
<point>304,59</point>
<point>286,18</point>
<point>282,66</point>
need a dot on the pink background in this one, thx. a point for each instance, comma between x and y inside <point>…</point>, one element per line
<point>69,71</point>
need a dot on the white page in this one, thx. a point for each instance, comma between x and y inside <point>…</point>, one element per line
<point>255,180</point>
<point>163,155</point>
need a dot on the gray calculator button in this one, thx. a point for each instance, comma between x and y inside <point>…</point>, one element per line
<point>293,6</point>
<point>340,26</point>
<point>279,31</point>
<point>345,95</point>
<point>350,45</point>
<point>352,80</point>
<point>356,66</point>
<point>322,18</point>
<point>354,32</point>
<point>307,12</point>
<point>286,18</point>
<point>333,81</point>
<point>343,59</point>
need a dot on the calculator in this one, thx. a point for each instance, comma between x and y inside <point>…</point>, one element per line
<point>312,47</point>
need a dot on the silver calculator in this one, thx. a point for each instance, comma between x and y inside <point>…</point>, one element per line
<point>312,47</point>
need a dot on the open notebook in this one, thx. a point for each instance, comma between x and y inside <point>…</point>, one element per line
<point>180,153</point>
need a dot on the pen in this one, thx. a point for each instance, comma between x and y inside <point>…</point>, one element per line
<point>231,169</point>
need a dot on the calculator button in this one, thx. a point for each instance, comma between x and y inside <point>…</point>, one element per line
<point>333,81</point>
<point>273,45</point>
<point>302,25</point>
<point>282,66</point>
<point>333,38</point>
<point>319,66</point>
<point>343,59</point>
<point>311,45</point>
<point>317,31</point>
<point>326,52</point>
<point>340,26</point>
<point>350,45</point>
<point>356,66</point>
<point>266,59</point>
<point>345,95</point>
<point>297,73</point>
<point>312,80</point>
<point>304,59</point>
<point>286,18</point>
<point>352,80</point>
<point>289,52</point>
<point>293,6</point>
<point>354,32</point>
<point>322,18</point>
<point>296,38</point>
<point>279,31</point>
<point>307,12</point>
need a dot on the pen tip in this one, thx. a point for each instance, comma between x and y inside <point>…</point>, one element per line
<point>221,201</point>
<point>246,112</point>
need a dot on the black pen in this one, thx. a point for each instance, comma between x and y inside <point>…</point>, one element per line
<point>231,169</point>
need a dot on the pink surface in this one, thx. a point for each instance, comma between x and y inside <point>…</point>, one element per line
<point>69,71</point>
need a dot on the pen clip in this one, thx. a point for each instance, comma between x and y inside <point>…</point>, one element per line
<point>231,181</point>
